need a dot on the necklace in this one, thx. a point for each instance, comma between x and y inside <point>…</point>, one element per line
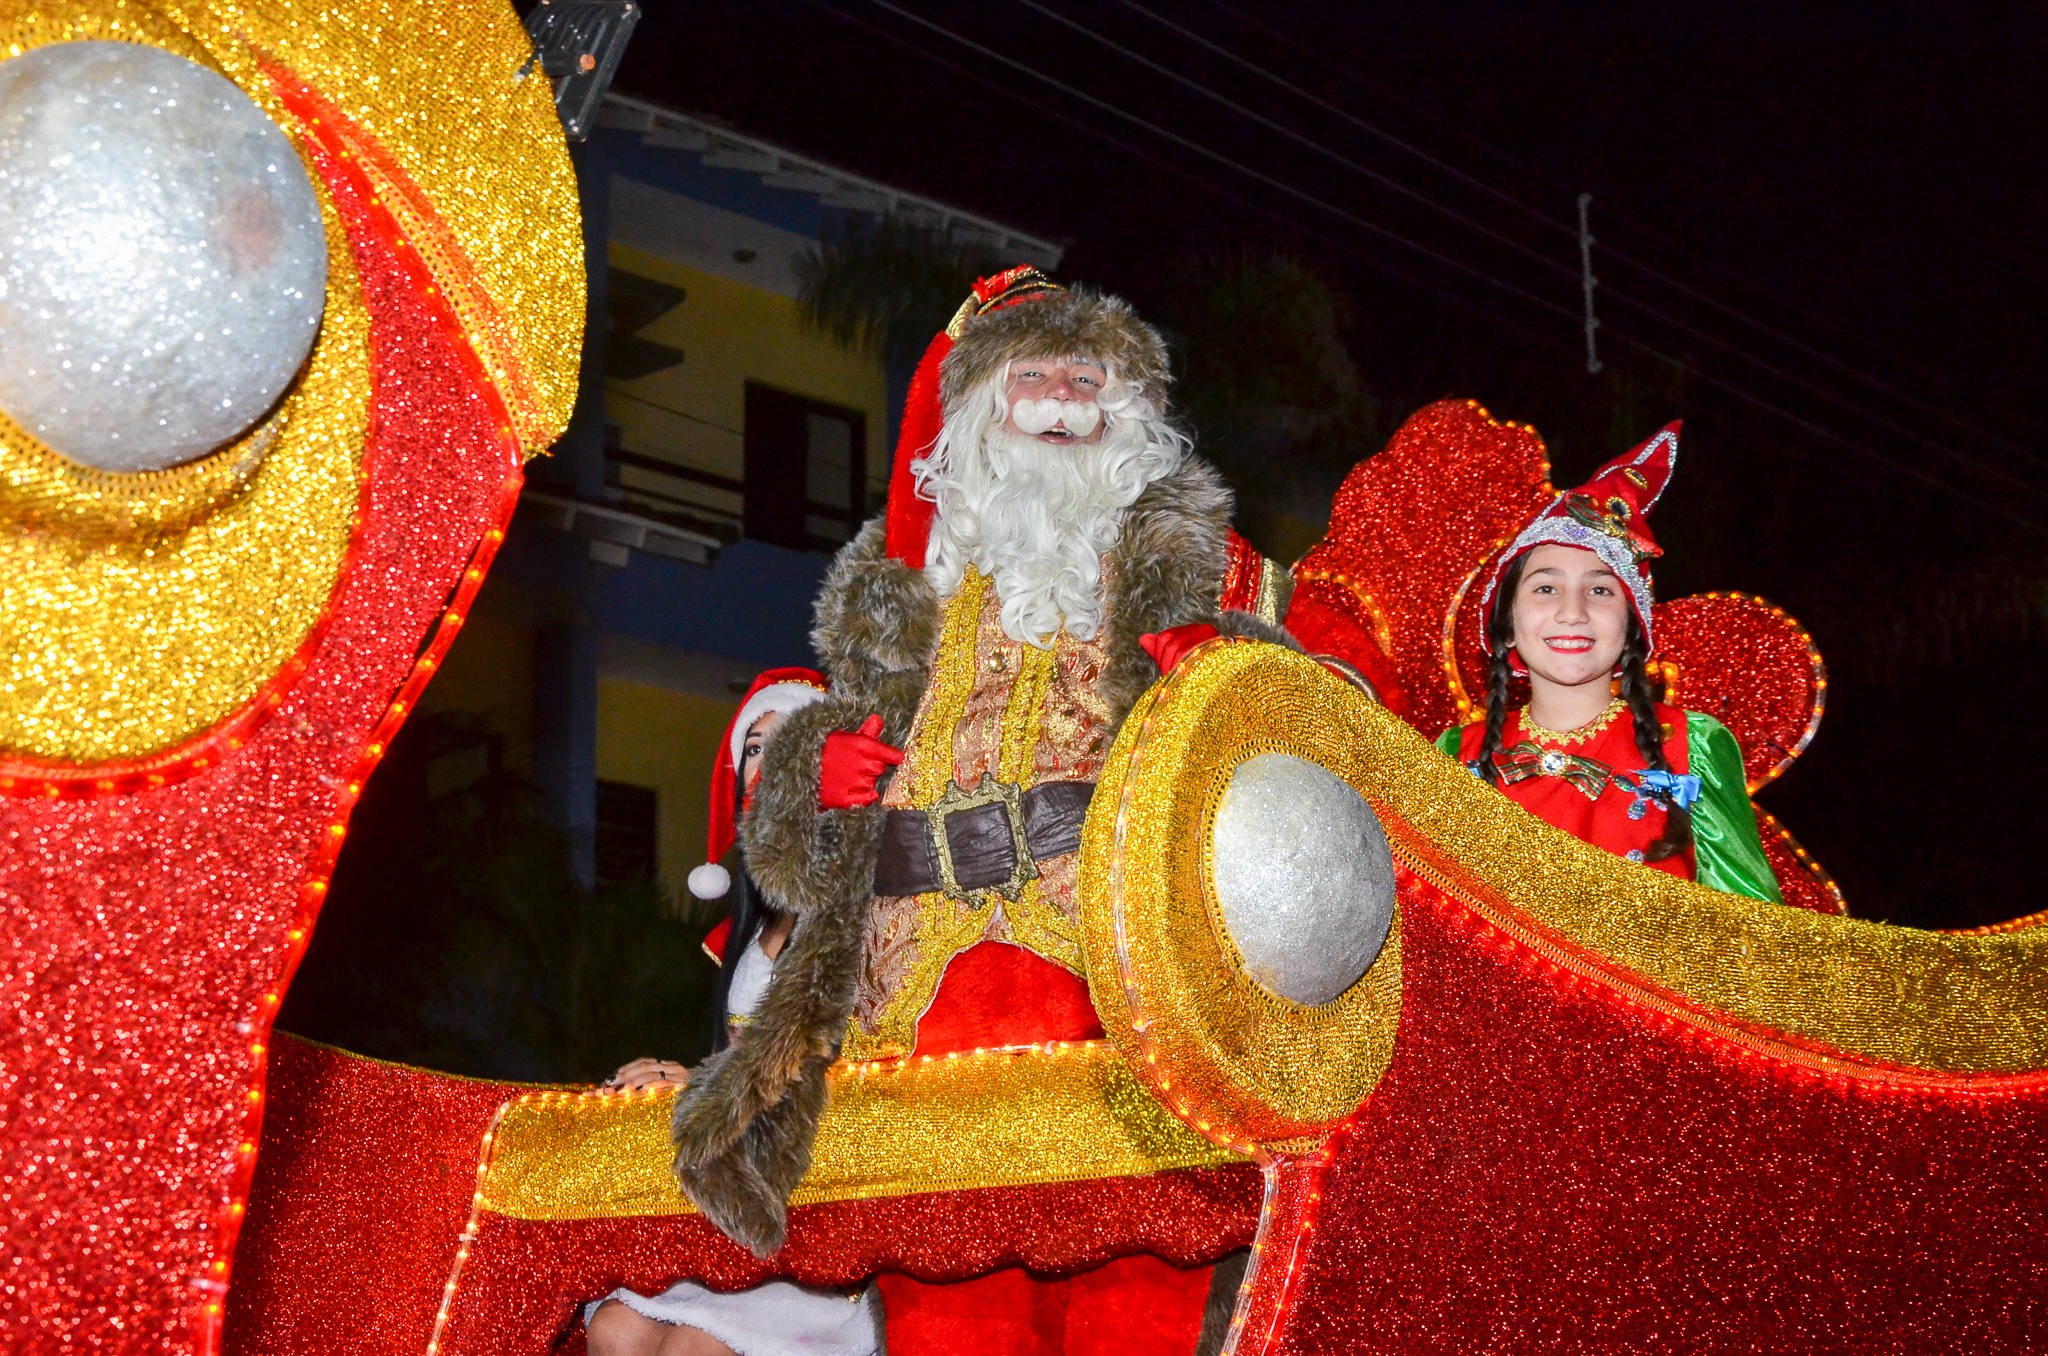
<point>1578,736</point>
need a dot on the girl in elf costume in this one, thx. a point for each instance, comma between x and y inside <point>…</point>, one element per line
<point>689,1319</point>
<point>1569,607</point>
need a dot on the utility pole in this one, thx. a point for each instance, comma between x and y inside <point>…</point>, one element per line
<point>1593,363</point>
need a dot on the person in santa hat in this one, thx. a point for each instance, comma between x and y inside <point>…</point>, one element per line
<point>1051,545</point>
<point>690,1319</point>
<point>1568,607</point>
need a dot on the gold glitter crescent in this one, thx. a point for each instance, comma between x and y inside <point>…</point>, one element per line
<point>139,611</point>
<point>1066,1113</point>
<point>1846,997</point>
<point>1242,1065</point>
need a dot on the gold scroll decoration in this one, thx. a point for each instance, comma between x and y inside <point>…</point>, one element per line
<point>141,610</point>
<point>1241,1064</point>
<point>1889,1006</point>
<point>987,1118</point>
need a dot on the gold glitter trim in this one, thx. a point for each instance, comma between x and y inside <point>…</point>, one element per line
<point>1544,735</point>
<point>1242,1064</point>
<point>1267,606</point>
<point>1067,1113</point>
<point>945,927</point>
<point>142,610</point>
<point>1790,982</point>
<point>1024,715</point>
<point>939,926</point>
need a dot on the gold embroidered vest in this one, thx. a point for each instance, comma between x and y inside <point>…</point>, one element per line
<point>1023,715</point>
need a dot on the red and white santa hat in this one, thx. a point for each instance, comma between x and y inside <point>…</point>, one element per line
<point>777,690</point>
<point>1609,515</point>
<point>1019,313</point>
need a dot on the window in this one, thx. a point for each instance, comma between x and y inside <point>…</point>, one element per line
<point>628,845</point>
<point>632,303</point>
<point>806,471</point>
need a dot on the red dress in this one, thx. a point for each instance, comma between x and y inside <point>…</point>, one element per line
<point>1561,789</point>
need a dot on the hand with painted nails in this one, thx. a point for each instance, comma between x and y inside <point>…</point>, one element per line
<point>648,1073</point>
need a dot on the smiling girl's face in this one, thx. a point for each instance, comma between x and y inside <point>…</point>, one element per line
<point>1570,617</point>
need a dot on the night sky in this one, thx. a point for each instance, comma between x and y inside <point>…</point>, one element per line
<point>1819,232</point>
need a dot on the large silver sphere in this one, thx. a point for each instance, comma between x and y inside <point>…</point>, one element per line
<point>162,259</point>
<point>1304,876</point>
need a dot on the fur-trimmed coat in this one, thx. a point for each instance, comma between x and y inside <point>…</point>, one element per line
<point>744,1126</point>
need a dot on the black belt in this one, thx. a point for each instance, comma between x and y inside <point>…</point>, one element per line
<point>991,837</point>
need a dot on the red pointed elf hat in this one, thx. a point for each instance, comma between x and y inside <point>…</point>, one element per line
<point>783,690</point>
<point>1609,515</point>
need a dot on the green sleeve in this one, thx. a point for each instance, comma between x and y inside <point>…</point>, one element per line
<point>1726,846</point>
<point>1450,739</point>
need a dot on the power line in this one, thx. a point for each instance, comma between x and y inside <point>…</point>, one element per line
<point>1248,171</point>
<point>1469,180</point>
<point>1857,374</point>
<point>1453,264</point>
<point>1207,185</point>
<point>1683,327</point>
<point>1302,140</point>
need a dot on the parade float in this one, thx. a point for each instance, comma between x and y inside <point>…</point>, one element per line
<point>1458,1081</point>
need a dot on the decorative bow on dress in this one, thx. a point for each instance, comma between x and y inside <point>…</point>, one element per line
<point>1530,759</point>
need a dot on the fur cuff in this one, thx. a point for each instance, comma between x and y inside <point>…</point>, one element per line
<point>744,1190</point>
<point>802,857</point>
<point>1245,626</point>
<point>797,1027</point>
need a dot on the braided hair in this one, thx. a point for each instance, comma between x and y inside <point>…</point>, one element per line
<point>1635,691</point>
<point>1500,624</point>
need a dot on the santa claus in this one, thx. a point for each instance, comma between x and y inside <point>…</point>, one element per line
<point>1051,546</point>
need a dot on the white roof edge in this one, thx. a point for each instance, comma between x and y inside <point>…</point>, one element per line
<point>1036,249</point>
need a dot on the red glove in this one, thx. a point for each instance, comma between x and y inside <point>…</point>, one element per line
<point>1171,646</point>
<point>852,762</point>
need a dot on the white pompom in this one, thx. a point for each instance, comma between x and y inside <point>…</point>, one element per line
<point>710,881</point>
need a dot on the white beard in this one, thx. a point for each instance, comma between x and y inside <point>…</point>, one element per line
<point>1037,517</point>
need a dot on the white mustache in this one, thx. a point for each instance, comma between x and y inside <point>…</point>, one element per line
<point>1036,416</point>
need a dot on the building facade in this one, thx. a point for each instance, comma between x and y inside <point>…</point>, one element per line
<point>670,546</point>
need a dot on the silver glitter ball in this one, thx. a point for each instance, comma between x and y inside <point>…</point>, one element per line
<point>1304,877</point>
<point>162,260</point>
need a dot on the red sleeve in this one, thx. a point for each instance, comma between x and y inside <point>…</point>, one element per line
<point>715,940</point>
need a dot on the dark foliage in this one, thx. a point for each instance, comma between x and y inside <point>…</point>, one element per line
<point>886,288</point>
<point>455,937</point>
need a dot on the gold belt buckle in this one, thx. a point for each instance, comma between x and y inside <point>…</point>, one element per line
<point>988,791</point>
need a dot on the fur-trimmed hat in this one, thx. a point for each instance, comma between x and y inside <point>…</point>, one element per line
<point>1609,515</point>
<point>1019,313</point>
<point>782,690</point>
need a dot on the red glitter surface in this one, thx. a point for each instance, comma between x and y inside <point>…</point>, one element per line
<point>1548,1168</point>
<point>362,1189</point>
<point>148,934</point>
<point>365,1184</point>
<point>524,1280</point>
<point>1751,667</point>
<point>1406,529</point>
